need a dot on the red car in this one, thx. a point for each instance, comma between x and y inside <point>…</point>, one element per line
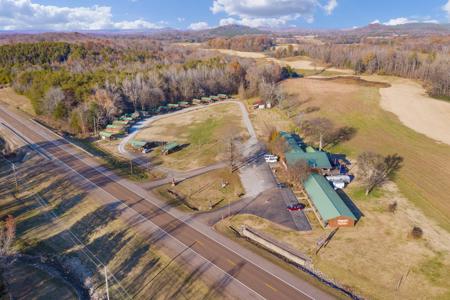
<point>297,206</point>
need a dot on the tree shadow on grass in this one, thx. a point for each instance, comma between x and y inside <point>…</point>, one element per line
<point>187,283</point>
<point>218,288</point>
<point>132,261</point>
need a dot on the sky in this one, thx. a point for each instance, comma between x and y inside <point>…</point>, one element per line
<point>71,15</point>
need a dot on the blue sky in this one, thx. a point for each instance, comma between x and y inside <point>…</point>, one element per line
<point>199,14</point>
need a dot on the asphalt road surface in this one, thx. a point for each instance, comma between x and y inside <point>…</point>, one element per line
<point>259,277</point>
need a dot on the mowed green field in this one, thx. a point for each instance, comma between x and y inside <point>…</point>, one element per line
<point>425,176</point>
<point>204,134</point>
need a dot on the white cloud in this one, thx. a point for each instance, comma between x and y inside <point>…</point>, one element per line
<point>446,8</point>
<point>402,20</point>
<point>255,22</point>
<point>136,24</point>
<point>199,26</point>
<point>375,22</point>
<point>332,4</point>
<point>269,12</point>
<point>398,21</point>
<point>181,19</point>
<point>24,14</point>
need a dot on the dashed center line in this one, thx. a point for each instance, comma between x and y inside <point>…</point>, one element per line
<point>271,287</point>
<point>231,262</point>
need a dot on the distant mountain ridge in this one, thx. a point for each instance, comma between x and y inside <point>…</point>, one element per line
<point>412,29</point>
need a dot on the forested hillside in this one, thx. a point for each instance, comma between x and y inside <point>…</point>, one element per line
<point>74,84</point>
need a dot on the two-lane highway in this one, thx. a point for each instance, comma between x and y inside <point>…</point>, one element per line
<point>259,279</point>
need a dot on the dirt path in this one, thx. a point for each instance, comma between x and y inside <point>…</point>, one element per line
<point>415,109</point>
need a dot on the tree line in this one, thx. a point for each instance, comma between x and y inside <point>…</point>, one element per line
<point>432,67</point>
<point>242,43</point>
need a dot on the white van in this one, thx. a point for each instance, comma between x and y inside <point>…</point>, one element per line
<point>270,158</point>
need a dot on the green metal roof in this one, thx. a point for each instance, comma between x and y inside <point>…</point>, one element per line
<point>125,122</point>
<point>170,146</point>
<point>314,159</point>
<point>106,134</point>
<point>298,150</point>
<point>172,105</point>
<point>115,126</point>
<point>138,143</point>
<point>328,203</point>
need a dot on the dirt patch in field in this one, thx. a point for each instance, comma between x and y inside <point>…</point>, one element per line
<point>355,80</point>
<point>410,103</point>
<point>241,53</point>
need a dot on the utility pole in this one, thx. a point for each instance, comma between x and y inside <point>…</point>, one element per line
<point>95,127</point>
<point>231,155</point>
<point>320,142</point>
<point>15,177</point>
<point>106,283</point>
<point>131,166</point>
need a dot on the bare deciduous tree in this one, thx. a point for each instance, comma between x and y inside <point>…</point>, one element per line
<point>374,169</point>
<point>52,98</point>
<point>132,87</point>
<point>322,132</point>
<point>7,235</point>
<point>298,172</point>
<point>271,92</point>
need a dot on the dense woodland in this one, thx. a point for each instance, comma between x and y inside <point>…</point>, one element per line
<point>257,43</point>
<point>87,84</point>
<point>426,58</point>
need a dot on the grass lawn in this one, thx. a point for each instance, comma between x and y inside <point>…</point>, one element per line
<point>206,190</point>
<point>8,96</point>
<point>133,263</point>
<point>262,119</point>
<point>204,133</point>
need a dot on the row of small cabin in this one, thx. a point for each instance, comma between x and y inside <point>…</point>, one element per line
<point>119,126</point>
<point>331,207</point>
<point>184,104</point>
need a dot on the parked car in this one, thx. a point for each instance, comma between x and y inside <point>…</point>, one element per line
<point>296,206</point>
<point>282,185</point>
<point>146,150</point>
<point>270,158</point>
